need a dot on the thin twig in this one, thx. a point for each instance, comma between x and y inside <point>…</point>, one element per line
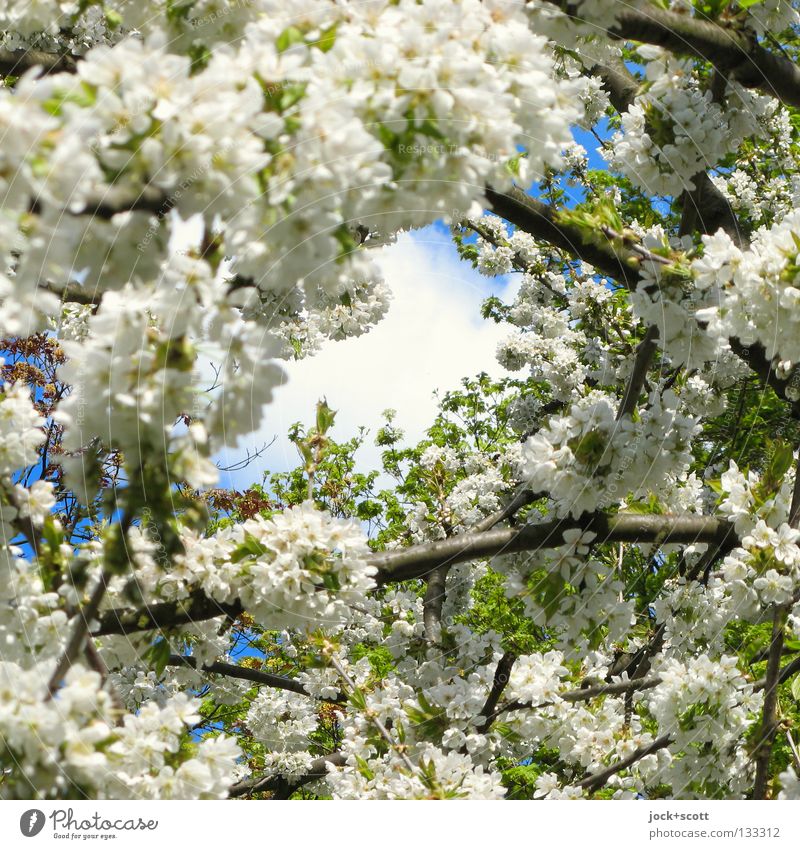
<point>374,719</point>
<point>80,632</point>
<point>793,747</point>
<point>585,694</point>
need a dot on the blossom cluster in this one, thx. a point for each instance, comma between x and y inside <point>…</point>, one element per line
<point>757,290</point>
<point>571,593</point>
<point>301,568</point>
<point>706,707</point>
<point>73,744</point>
<point>589,458</point>
<point>675,130</point>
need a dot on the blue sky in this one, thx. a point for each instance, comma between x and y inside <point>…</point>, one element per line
<point>432,336</point>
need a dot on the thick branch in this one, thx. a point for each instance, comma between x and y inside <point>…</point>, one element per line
<point>710,211</point>
<point>73,294</point>
<point>419,560</point>
<point>645,351</point>
<point>433,602</point>
<point>196,608</point>
<point>157,205</point>
<point>734,52</point>
<point>706,207</point>
<point>542,222</point>
<point>14,63</point>
<point>618,82</point>
<point>502,675</point>
<point>756,358</point>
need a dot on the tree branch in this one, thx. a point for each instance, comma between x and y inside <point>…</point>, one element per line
<point>435,591</point>
<point>586,694</point>
<point>433,602</point>
<point>543,222</point>
<point>787,672</point>
<point>594,782</point>
<point>706,208</point>
<point>96,662</point>
<point>282,786</point>
<point>14,63</point>
<point>257,676</point>
<point>520,499</point>
<point>755,357</point>
<point>420,560</point>
<point>80,631</point>
<point>645,351</point>
<point>794,510</point>
<point>735,52</point>
<point>618,82</point>
<point>710,211</point>
<point>769,716</point>
<point>502,675</point>
<point>168,614</point>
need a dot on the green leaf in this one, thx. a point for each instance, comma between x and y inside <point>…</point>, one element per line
<point>589,448</point>
<point>113,19</point>
<point>357,700</point>
<point>251,547</point>
<point>158,656</point>
<point>366,510</point>
<point>325,417</point>
<point>429,129</point>
<point>330,580</point>
<point>781,460</point>
<point>796,689</point>
<point>53,536</point>
<point>328,38</point>
<point>290,36</point>
<point>363,768</point>
<point>289,95</point>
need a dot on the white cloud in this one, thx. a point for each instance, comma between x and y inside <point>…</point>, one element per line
<point>432,336</point>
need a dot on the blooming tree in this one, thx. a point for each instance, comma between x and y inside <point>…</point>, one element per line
<point>584,581</point>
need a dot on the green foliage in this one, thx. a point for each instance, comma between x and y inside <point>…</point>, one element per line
<point>492,610</point>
